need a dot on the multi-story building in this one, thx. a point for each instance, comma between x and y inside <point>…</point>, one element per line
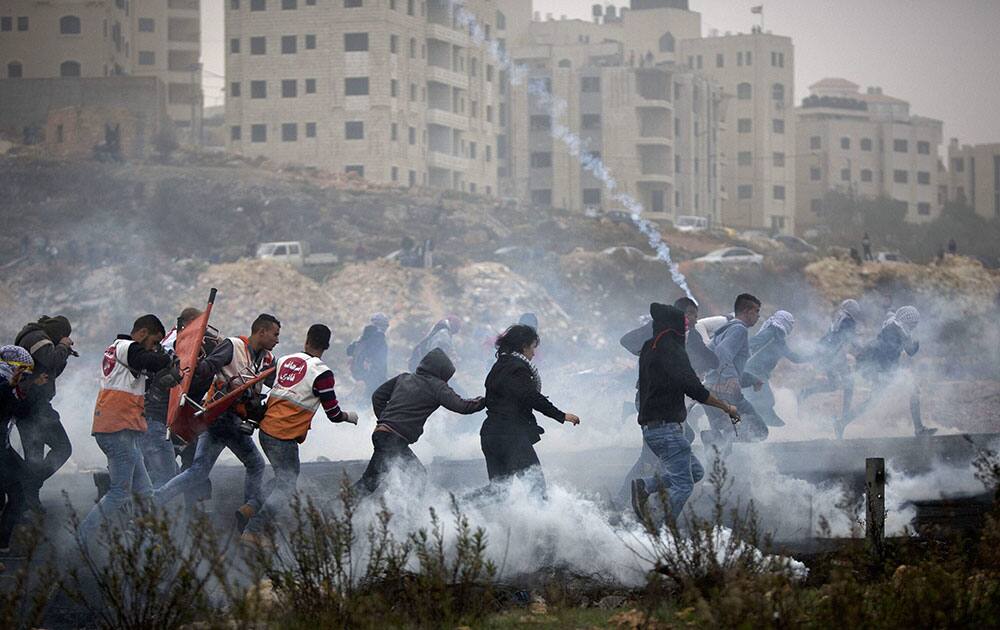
<point>865,144</point>
<point>396,91</point>
<point>757,141</point>
<point>44,39</point>
<point>652,123</point>
<point>973,177</point>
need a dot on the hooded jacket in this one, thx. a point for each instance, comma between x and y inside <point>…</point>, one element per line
<point>405,402</point>
<point>731,344</point>
<point>665,373</point>
<point>49,355</point>
<point>702,359</point>
<point>768,347</point>
<point>511,398</point>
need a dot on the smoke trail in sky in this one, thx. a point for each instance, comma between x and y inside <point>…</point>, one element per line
<point>574,144</point>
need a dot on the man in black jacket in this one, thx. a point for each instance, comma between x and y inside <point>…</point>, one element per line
<point>665,378</point>
<point>402,406</point>
<point>48,340</point>
<point>370,354</point>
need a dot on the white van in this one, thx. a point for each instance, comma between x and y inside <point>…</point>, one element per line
<point>688,223</point>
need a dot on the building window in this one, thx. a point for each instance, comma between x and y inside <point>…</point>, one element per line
<point>815,174</point>
<point>900,177</point>
<point>413,91</point>
<point>289,45</point>
<point>815,143</point>
<point>958,165</point>
<point>592,196</point>
<point>22,24</point>
<point>816,205</point>
<point>590,121</point>
<point>540,122</point>
<point>393,132</point>
<point>235,133</point>
<point>744,91</point>
<point>489,113</point>
<point>677,163</point>
<point>749,58</point>
<point>258,133</point>
<point>866,144</point>
<point>310,86</point>
<point>924,148</point>
<point>354,130</point>
<point>6,24</point>
<point>357,169</point>
<point>472,150</point>
<point>923,178</point>
<point>234,89</point>
<point>779,193</point>
<point>234,45</point>
<point>590,84</point>
<point>394,44</point>
<point>289,132</point>
<point>923,208</point>
<point>258,89</point>
<point>258,46</point>
<point>289,88</point>
<point>409,7</point>
<point>779,159</point>
<point>778,92</point>
<point>310,42</point>
<point>352,4</point>
<point>413,48</point>
<point>69,69</point>
<point>412,135</point>
<point>234,5</point>
<point>15,70</point>
<point>147,25</point>
<point>744,125</point>
<point>744,191</point>
<point>845,143</point>
<point>355,42</point>
<point>258,5</point>
<point>70,25</point>
<point>489,153</point>
<point>667,42</point>
<point>845,174</point>
<point>541,159</point>
<point>900,146</point>
<point>866,175</point>
<point>147,58</point>
<point>289,5</point>
<point>393,88</point>
<point>720,60</point>
<point>744,158</point>
<point>542,197</point>
<point>356,86</point>
<point>778,125</point>
<point>489,72</point>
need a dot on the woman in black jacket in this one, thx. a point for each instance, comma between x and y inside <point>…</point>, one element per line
<point>513,392</point>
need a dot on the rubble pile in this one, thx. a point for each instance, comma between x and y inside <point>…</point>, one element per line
<point>963,284</point>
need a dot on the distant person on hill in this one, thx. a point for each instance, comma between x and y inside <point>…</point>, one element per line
<point>866,247</point>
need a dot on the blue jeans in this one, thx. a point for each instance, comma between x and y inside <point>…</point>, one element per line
<point>284,458</point>
<point>158,452</point>
<point>678,470</point>
<point>208,449</point>
<point>128,476</point>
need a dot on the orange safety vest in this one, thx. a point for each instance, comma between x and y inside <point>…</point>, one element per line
<point>291,404</point>
<point>120,403</point>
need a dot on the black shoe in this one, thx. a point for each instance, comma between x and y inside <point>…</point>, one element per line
<point>639,496</point>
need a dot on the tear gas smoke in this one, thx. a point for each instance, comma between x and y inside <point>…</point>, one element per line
<point>575,145</point>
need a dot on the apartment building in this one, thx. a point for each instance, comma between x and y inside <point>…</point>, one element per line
<point>757,140</point>
<point>973,177</point>
<point>865,144</point>
<point>652,124</point>
<point>45,39</point>
<point>396,91</point>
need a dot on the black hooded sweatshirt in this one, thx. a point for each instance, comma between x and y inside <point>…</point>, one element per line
<point>41,339</point>
<point>665,373</point>
<point>405,402</point>
<point>511,397</point>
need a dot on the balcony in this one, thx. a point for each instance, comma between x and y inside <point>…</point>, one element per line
<point>447,34</point>
<point>437,159</point>
<point>447,119</point>
<point>448,77</point>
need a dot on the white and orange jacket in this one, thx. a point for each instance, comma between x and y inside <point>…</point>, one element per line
<point>120,402</point>
<point>302,383</point>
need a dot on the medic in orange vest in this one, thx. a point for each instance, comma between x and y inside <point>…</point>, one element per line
<point>303,383</point>
<point>119,415</point>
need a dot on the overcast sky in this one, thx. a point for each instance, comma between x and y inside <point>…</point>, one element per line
<point>941,55</point>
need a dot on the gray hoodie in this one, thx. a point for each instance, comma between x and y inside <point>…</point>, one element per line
<point>405,402</point>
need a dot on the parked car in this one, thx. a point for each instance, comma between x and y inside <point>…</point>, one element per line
<point>688,223</point>
<point>295,253</point>
<point>732,255</point>
<point>795,244</point>
<point>619,216</point>
<point>890,257</point>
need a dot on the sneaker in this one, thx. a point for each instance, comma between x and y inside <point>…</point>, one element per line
<point>243,516</point>
<point>639,496</point>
